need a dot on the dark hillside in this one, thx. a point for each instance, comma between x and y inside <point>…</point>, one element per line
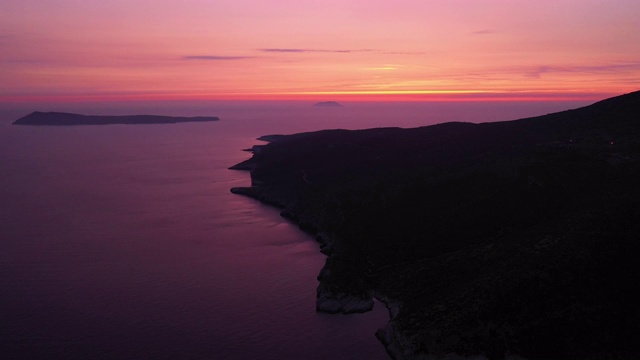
<point>516,237</point>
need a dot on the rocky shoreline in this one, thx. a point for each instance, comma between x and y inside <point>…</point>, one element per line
<point>336,301</point>
<point>329,299</point>
<point>494,241</point>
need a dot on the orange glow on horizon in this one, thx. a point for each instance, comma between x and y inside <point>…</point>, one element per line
<point>397,96</point>
<point>476,50</point>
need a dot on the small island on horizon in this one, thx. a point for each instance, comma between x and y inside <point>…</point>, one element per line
<point>328,104</point>
<point>70,119</point>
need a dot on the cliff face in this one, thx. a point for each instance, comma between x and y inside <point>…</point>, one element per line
<point>67,119</point>
<point>500,238</point>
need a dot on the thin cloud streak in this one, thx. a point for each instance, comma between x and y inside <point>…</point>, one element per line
<point>484,32</point>
<point>339,51</point>
<point>403,52</point>
<point>545,69</point>
<point>5,38</point>
<point>298,50</point>
<point>216,57</point>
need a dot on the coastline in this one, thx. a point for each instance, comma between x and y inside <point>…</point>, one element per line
<point>492,240</point>
<point>329,299</point>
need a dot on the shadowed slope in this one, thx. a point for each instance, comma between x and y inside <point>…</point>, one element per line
<point>516,237</point>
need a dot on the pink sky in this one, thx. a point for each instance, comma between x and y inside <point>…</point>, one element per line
<point>268,49</point>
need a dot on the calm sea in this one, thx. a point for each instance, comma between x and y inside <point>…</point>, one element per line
<point>124,242</point>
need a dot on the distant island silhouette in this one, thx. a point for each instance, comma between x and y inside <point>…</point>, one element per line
<point>328,104</point>
<point>67,119</point>
<point>496,239</point>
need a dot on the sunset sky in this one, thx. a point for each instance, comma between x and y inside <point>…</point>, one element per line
<point>279,49</point>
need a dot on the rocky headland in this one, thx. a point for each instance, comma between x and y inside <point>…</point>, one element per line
<point>514,239</point>
<point>67,119</point>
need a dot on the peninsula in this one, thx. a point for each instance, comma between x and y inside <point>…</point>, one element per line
<point>514,239</point>
<point>66,119</point>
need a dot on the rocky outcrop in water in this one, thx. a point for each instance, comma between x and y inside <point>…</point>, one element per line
<point>68,119</point>
<point>496,240</point>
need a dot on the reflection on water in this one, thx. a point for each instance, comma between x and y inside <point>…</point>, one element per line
<point>124,242</point>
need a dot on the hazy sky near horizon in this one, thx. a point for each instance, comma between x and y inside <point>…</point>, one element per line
<point>72,49</point>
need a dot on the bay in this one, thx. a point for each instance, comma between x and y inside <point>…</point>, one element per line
<point>124,242</point>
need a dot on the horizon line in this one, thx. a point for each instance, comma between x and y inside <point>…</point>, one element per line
<point>346,96</point>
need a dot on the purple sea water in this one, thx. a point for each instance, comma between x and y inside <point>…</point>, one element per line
<point>124,242</point>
